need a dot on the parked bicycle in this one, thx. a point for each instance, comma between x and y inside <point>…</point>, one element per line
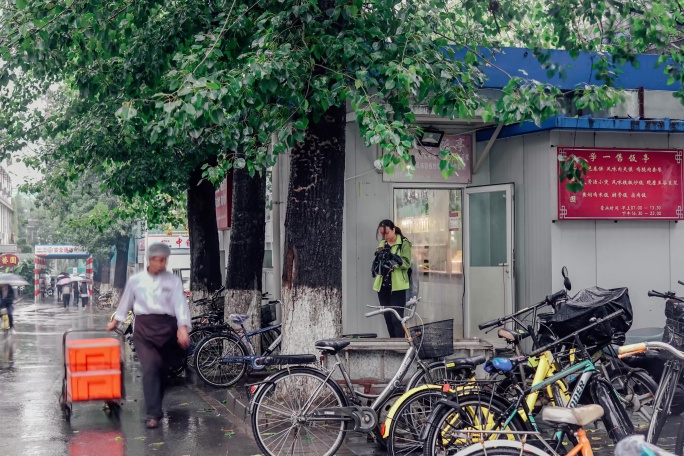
<point>222,358</point>
<point>491,412</point>
<point>667,387</point>
<point>302,409</point>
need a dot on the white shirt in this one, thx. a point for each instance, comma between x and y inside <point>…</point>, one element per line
<point>160,294</point>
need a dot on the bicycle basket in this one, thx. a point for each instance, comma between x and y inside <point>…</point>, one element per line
<point>268,313</point>
<point>434,340</point>
<point>674,324</point>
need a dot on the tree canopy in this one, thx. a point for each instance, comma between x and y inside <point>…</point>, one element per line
<point>159,86</point>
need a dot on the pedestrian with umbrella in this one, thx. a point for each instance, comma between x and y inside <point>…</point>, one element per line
<point>65,283</point>
<point>7,282</point>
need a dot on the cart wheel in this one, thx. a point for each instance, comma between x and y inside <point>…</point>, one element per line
<point>112,409</point>
<point>66,412</point>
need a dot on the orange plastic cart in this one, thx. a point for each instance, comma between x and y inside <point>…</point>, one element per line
<point>93,371</point>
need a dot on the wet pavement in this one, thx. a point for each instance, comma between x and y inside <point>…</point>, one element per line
<point>199,420</point>
<point>32,422</point>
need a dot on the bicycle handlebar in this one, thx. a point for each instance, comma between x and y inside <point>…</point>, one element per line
<point>667,295</point>
<point>680,282</point>
<point>410,305</point>
<point>550,299</point>
<point>633,349</point>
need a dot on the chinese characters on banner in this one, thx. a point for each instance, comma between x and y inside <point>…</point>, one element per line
<point>427,163</point>
<point>625,184</point>
<point>8,260</point>
<point>60,249</point>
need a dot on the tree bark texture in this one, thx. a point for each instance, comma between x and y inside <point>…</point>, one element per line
<point>205,260</point>
<point>121,244</point>
<point>312,270</point>
<point>246,250</point>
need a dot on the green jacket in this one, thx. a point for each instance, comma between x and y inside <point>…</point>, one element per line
<point>399,275</point>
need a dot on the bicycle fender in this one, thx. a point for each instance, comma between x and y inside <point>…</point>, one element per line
<point>403,398</point>
<point>476,448</point>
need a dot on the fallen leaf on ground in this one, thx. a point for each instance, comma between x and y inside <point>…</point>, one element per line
<point>184,403</point>
<point>229,434</point>
<point>142,437</point>
<point>157,444</point>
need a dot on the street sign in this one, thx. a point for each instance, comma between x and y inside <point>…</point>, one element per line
<point>8,260</point>
<point>625,184</point>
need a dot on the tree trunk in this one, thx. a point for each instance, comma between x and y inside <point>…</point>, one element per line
<point>312,270</point>
<point>97,270</point>
<point>205,260</point>
<point>246,251</point>
<point>121,244</point>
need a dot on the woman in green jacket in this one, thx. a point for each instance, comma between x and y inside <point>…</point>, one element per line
<point>391,271</point>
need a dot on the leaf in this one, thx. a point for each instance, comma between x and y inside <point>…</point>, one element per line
<point>21,4</point>
<point>118,439</point>
<point>213,86</point>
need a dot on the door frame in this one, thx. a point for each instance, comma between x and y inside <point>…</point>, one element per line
<point>509,188</point>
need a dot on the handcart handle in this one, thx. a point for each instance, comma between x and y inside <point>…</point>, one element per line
<point>117,331</point>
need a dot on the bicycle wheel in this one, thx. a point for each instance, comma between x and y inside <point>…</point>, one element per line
<point>474,412</point>
<point>196,336</point>
<point>280,422</point>
<point>637,391</point>
<point>209,360</point>
<point>663,399</point>
<point>268,338</point>
<point>409,420</point>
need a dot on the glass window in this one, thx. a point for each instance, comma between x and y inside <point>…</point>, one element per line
<point>432,221</point>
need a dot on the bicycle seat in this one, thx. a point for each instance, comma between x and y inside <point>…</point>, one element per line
<point>461,363</point>
<point>511,336</point>
<point>503,364</point>
<point>578,416</point>
<point>238,319</point>
<point>331,345</point>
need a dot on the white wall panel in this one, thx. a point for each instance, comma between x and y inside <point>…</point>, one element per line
<point>539,162</point>
<point>507,165</point>
<point>635,254</point>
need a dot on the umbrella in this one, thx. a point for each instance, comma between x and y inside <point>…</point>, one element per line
<point>77,279</point>
<point>64,281</point>
<point>12,279</point>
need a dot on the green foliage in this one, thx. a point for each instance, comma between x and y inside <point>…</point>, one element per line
<point>573,169</point>
<point>155,88</point>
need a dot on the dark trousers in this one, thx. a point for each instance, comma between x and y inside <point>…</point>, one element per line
<point>84,301</point>
<point>156,344</point>
<point>396,299</point>
<point>66,298</point>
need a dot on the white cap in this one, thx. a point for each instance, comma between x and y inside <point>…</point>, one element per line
<point>158,250</point>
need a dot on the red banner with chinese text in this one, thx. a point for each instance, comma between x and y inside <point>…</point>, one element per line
<point>625,184</point>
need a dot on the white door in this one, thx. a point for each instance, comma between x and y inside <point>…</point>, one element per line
<point>489,260</point>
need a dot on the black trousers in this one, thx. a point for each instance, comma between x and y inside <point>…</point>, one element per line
<point>66,297</point>
<point>157,346</point>
<point>396,299</point>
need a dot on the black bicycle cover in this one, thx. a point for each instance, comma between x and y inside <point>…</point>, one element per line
<point>594,303</point>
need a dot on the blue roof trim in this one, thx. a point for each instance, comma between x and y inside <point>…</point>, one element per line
<point>578,71</point>
<point>586,123</point>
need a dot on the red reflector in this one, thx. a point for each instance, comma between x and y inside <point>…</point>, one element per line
<point>446,388</point>
<point>252,389</point>
<point>382,429</point>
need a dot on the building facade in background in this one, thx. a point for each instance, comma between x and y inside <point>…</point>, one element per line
<point>6,213</point>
